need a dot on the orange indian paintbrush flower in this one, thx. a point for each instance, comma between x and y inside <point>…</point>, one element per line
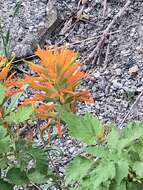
<point>58,75</point>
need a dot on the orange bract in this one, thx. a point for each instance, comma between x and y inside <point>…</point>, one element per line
<point>4,68</point>
<point>58,75</point>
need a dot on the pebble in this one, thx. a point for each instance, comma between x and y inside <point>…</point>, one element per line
<point>133,70</point>
<point>117,85</point>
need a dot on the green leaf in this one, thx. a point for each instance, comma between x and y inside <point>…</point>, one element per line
<point>77,169</point>
<point>138,168</point>
<point>22,114</point>
<point>103,173</point>
<point>41,159</point>
<point>115,186</point>
<point>5,141</point>
<point>3,132</point>
<point>98,151</point>
<point>85,129</point>
<point>20,145</point>
<point>5,145</point>
<point>5,185</point>
<point>113,138</point>
<point>122,167</point>
<point>2,93</point>
<point>133,132</point>
<point>14,101</point>
<point>3,163</point>
<point>17,177</point>
<point>37,177</point>
<point>134,186</point>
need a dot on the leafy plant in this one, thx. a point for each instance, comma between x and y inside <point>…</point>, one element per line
<point>15,156</point>
<point>113,162</point>
<point>56,82</point>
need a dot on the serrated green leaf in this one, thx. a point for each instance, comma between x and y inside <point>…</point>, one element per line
<point>85,129</point>
<point>20,145</point>
<point>77,169</point>
<point>37,177</point>
<point>41,159</point>
<point>5,185</point>
<point>138,168</point>
<point>122,167</point>
<point>22,114</point>
<point>17,177</point>
<point>103,173</point>
<point>2,93</point>
<point>100,152</point>
<point>133,132</point>
<point>113,138</point>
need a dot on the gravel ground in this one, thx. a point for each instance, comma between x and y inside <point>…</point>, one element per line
<point>115,78</point>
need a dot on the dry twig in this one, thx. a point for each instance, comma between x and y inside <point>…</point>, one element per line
<point>104,7</point>
<point>107,52</point>
<point>93,55</point>
<point>128,113</point>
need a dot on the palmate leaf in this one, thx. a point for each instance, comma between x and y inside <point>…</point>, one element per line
<point>22,114</point>
<point>77,169</point>
<point>86,128</point>
<point>2,93</point>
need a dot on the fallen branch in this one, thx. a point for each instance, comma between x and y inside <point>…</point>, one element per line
<point>93,55</point>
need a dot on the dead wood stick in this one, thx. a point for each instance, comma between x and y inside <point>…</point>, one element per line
<point>107,51</point>
<point>128,113</point>
<point>96,50</point>
<point>104,7</point>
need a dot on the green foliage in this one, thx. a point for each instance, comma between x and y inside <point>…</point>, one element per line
<point>17,177</point>
<point>15,157</point>
<point>10,114</point>
<point>77,129</point>
<point>4,185</point>
<point>2,93</point>
<point>116,163</point>
<point>17,153</point>
<point>22,114</point>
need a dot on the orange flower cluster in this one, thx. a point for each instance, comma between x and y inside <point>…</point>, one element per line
<point>5,78</point>
<point>57,78</point>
